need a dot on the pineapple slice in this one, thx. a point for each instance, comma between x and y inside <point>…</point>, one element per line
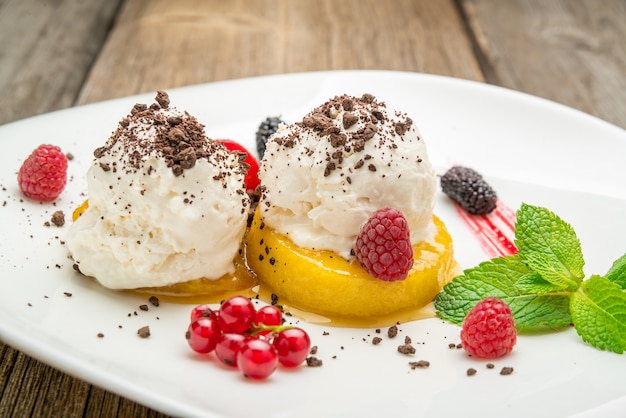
<point>324,283</point>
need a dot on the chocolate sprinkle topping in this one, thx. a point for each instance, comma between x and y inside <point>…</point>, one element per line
<point>176,137</point>
<point>347,124</point>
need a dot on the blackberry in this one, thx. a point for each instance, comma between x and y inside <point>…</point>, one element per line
<point>468,188</point>
<point>266,129</point>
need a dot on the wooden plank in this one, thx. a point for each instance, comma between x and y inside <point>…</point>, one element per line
<point>46,49</point>
<point>160,44</point>
<point>569,51</point>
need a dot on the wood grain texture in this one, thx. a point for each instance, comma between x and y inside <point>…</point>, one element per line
<point>161,44</point>
<point>572,52</point>
<point>46,48</point>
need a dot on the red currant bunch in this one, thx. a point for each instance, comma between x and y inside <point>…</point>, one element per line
<point>254,341</point>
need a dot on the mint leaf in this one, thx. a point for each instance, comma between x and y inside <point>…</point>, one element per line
<point>598,310</point>
<point>498,278</point>
<point>534,283</point>
<point>549,246</point>
<point>617,272</point>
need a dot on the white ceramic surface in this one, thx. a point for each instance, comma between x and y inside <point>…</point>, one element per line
<point>531,150</point>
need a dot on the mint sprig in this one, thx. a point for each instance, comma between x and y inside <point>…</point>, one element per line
<point>599,314</point>
<point>544,284</point>
<point>549,246</point>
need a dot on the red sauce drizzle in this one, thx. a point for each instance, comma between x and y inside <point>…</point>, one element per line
<point>494,232</point>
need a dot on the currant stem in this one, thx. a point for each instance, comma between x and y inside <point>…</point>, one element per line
<point>274,329</point>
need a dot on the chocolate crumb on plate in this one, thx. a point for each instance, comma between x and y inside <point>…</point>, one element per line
<point>406,349</point>
<point>154,300</point>
<point>143,307</point>
<point>58,218</point>
<point>313,362</point>
<point>392,331</point>
<point>376,340</point>
<point>422,364</point>
<point>490,365</point>
<point>313,350</point>
<point>100,335</point>
<point>68,294</point>
<point>506,371</point>
<point>144,332</point>
<point>471,371</point>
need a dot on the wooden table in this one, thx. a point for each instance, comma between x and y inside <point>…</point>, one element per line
<point>58,54</point>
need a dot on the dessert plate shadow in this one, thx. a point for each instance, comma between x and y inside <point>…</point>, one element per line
<point>530,150</point>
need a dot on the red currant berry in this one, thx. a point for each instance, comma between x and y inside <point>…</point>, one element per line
<point>228,346</point>
<point>236,315</point>
<point>203,311</point>
<point>202,335</point>
<point>268,315</point>
<point>257,358</point>
<point>292,346</point>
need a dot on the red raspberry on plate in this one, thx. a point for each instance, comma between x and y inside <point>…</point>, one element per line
<point>252,177</point>
<point>489,329</point>
<point>383,246</point>
<point>43,174</point>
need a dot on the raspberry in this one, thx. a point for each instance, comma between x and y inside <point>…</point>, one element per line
<point>266,129</point>
<point>468,188</point>
<point>43,174</point>
<point>383,246</point>
<point>488,329</point>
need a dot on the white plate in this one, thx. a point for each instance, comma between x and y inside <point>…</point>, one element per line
<point>530,149</point>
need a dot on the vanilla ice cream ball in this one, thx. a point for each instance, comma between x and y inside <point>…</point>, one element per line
<point>324,176</point>
<point>166,203</point>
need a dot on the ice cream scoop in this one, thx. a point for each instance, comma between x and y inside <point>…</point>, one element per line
<point>324,176</point>
<point>166,203</point>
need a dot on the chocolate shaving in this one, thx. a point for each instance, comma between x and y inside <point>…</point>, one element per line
<point>144,332</point>
<point>421,364</point>
<point>406,349</point>
<point>313,362</point>
<point>163,99</point>
<point>392,331</point>
<point>58,218</point>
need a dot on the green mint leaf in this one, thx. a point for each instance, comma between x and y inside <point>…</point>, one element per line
<point>617,272</point>
<point>598,310</point>
<point>498,278</point>
<point>534,283</point>
<point>549,246</point>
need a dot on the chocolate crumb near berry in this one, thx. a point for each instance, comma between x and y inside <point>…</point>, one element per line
<point>313,362</point>
<point>506,371</point>
<point>58,218</point>
<point>468,188</point>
